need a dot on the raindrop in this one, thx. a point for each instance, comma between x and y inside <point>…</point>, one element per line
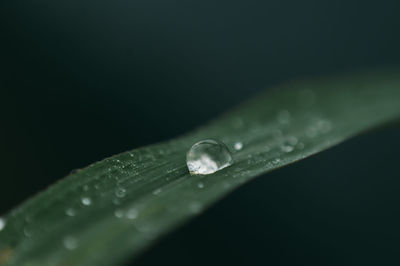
<point>207,157</point>
<point>2,223</point>
<point>70,212</point>
<point>200,185</point>
<point>86,201</point>
<point>238,146</point>
<point>70,242</point>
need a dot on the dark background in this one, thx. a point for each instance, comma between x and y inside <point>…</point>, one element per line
<point>82,80</point>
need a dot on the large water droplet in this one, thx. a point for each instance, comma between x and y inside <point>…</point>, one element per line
<point>207,157</point>
<point>2,223</point>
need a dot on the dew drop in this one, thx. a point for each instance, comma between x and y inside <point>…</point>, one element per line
<point>86,201</point>
<point>70,212</point>
<point>157,191</point>
<point>120,192</point>
<point>119,213</point>
<point>132,213</point>
<point>238,146</point>
<point>207,157</point>
<point>2,223</point>
<point>289,144</point>
<point>70,242</point>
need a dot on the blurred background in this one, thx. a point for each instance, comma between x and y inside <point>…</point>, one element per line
<point>83,80</point>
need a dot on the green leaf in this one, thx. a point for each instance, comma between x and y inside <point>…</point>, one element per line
<point>112,210</point>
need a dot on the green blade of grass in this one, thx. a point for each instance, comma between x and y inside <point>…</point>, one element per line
<point>115,208</point>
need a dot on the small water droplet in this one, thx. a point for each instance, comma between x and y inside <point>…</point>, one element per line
<point>207,157</point>
<point>200,185</point>
<point>132,213</point>
<point>238,145</point>
<point>86,201</point>
<point>119,213</point>
<point>276,161</point>
<point>157,191</point>
<point>289,144</point>
<point>120,192</point>
<point>2,223</point>
<point>70,242</point>
<point>70,212</point>
<point>27,232</point>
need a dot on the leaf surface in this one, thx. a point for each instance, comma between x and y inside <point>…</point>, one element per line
<point>113,209</point>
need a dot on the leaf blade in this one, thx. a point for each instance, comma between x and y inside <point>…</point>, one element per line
<point>277,128</point>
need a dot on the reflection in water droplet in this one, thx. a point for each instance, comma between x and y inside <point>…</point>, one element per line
<point>86,201</point>
<point>238,145</point>
<point>200,185</point>
<point>70,242</point>
<point>207,157</point>
<point>2,223</point>
<point>70,212</point>
<point>132,213</point>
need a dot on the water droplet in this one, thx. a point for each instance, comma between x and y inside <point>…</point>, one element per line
<point>70,242</point>
<point>289,144</point>
<point>86,201</point>
<point>238,145</point>
<point>200,185</point>
<point>120,192</point>
<point>276,161</point>
<point>2,223</point>
<point>119,213</point>
<point>157,191</point>
<point>283,117</point>
<point>27,232</point>
<point>70,212</point>
<point>132,213</point>
<point>207,157</point>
